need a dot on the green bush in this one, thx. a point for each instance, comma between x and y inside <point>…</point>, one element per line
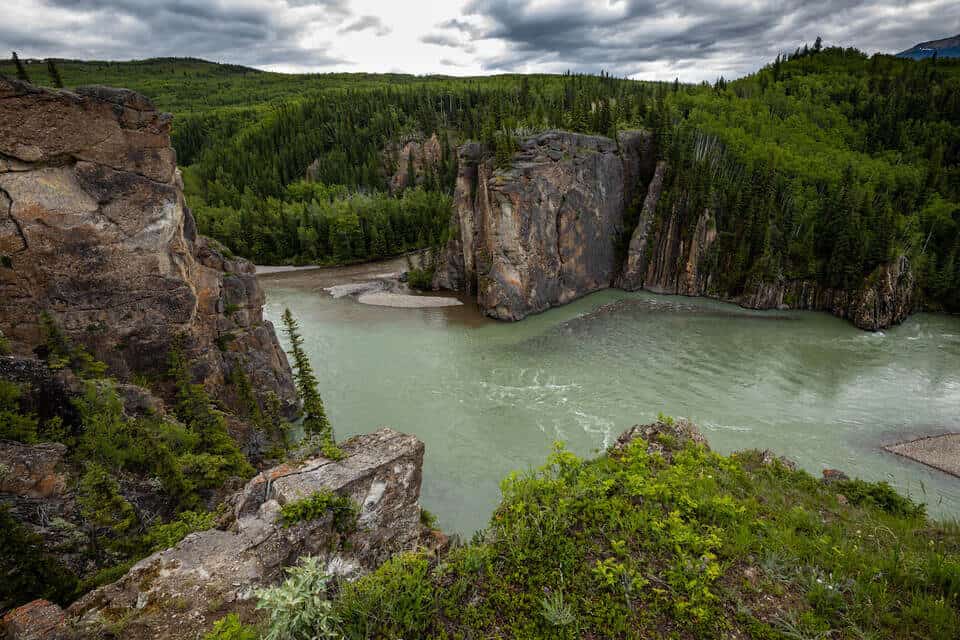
<point>14,425</point>
<point>398,604</point>
<point>879,495</point>
<point>231,628</point>
<point>319,505</point>
<point>298,609</point>
<point>27,570</point>
<point>638,544</point>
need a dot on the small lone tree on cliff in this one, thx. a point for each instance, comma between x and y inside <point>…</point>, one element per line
<point>21,70</point>
<point>315,421</point>
<point>54,74</point>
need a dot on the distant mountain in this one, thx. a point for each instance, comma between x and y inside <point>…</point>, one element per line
<point>945,48</point>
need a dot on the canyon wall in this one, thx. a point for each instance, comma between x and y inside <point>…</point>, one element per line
<point>95,232</point>
<point>666,256</point>
<point>544,230</point>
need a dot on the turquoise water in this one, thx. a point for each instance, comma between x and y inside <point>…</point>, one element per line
<point>488,398</point>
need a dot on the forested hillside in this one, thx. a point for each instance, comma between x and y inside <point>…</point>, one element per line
<point>821,166</point>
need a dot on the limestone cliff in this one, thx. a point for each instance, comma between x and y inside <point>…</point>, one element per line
<point>544,230</point>
<point>94,230</point>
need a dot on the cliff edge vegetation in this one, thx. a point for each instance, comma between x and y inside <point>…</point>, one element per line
<point>657,538</point>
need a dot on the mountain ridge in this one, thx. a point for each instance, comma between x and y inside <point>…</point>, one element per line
<point>943,48</point>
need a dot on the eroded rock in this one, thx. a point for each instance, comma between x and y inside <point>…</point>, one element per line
<point>95,231</point>
<point>544,230</point>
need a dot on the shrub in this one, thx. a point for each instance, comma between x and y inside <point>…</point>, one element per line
<point>28,571</point>
<point>421,279</point>
<point>164,536</point>
<point>879,495</point>
<point>15,425</point>
<point>231,628</point>
<point>319,505</point>
<point>62,352</point>
<point>399,603</point>
<point>299,608</point>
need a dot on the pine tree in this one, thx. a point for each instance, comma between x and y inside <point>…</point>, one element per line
<point>21,70</point>
<point>54,74</point>
<point>315,422</point>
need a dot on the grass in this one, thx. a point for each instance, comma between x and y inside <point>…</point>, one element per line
<point>675,541</point>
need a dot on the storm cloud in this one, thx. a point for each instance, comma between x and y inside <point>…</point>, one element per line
<point>692,39</point>
<point>638,38</point>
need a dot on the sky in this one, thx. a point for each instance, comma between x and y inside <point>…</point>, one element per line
<point>693,40</point>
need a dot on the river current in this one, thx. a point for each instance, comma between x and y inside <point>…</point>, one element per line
<point>488,398</point>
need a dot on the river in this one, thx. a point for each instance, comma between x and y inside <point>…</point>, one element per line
<point>488,398</point>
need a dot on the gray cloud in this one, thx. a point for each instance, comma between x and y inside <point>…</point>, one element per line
<point>694,39</point>
<point>631,37</point>
<point>367,22</point>
<point>259,33</point>
<point>448,40</point>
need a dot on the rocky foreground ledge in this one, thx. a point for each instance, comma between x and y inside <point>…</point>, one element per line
<point>180,592</point>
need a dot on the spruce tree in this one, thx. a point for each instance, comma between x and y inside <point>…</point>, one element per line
<point>315,422</point>
<point>54,74</point>
<point>21,70</point>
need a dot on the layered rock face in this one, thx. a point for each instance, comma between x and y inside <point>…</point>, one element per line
<point>885,299</point>
<point>94,230</point>
<point>180,592</point>
<point>544,230</point>
<point>665,256</point>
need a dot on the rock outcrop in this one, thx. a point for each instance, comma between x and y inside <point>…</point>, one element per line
<point>885,299</point>
<point>544,230</point>
<point>94,230</point>
<point>180,592</point>
<point>669,255</point>
<point>424,154</point>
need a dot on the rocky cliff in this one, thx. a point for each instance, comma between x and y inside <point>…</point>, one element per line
<point>94,230</point>
<point>671,256</point>
<point>544,230</point>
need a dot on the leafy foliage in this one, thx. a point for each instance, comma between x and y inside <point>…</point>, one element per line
<point>685,543</point>
<point>231,628</point>
<point>319,505</point>
<point>15,425</point>
<point>61,352</point>
<point>299,608</point>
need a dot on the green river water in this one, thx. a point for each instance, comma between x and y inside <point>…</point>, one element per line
<point>488,398</point>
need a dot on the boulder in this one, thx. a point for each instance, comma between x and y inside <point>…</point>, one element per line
<point>662,437</point>
<point>37,620</point>
<point>94,230</point>
<point>32,471</point>
<point>180,592</point>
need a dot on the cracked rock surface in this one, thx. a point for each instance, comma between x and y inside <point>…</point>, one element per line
<point>544,230</point>
<point>94,230</point>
